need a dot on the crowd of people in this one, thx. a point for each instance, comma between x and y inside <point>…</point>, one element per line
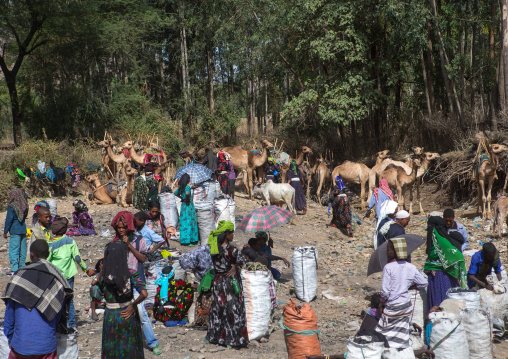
<point>45,280</point>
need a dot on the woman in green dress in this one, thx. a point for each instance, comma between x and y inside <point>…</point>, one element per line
<point>121,331</point>
<point>189,234</point>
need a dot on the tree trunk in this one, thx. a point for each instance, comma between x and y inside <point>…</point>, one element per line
<point>16,112</point>
<point>211,98</point>
<point>425,84</point>
<point>503,85</point>
<point>430,69</point>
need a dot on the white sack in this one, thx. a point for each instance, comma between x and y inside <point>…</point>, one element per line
<point>369,350</point>
<point>478,331</point>
<point>52,207</point>
<point>305,272</point>
<point>455,346</point>
<point>258,305</point>
<point>206,224</point>
<point>470,297</point>
<point>392,353</point>
<point>496,303</point>
<point>419,304</point>
<point>67,346</point>
<point>224,209</point>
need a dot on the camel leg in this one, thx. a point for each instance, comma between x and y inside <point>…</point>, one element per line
<point>320,186</point>
<point>400,194</point>
<point>245,181</point>
<point>479,204</point>
<point>489,196</point>
<point>362,195</point>
<point>250,174</point>
<point>482,197</point>
<point>505,183</point>
<point>418,196</point>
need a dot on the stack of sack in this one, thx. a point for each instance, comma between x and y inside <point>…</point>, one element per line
<point>203,197</point>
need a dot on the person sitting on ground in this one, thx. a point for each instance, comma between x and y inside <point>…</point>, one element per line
<point>395,307</point>
<point>82,222</point>
<point>32,333</point>
<point>397,228</point>
<point>96,295</point>
<point>64,253</point>
<point>453,225</point>
<point>17,211</point>
<point>153,240</point>
<point>266,248</point>
<point>199,261</point>
<point>481,266</point>
<point>379,196</point>
<point>388,212</point>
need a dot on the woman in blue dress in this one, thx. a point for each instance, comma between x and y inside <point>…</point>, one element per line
<point>189,234</point>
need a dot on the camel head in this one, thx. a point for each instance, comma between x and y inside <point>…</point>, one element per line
<point>128,145</point>
<point>495,148</point>
<point>418,151</point>
<point>416,162</point>
<point>306,150</point>
<point>382,154</point>
<point>429,156</point>
<point>266,144</point>
<point>92,178</point>
<point>129,171</point>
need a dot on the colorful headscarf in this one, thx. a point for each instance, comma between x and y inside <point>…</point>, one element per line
<point>18,203</point>
<point>400,246</point>
<point>83,215</point>
<point>340,183</point>
<point>223,226</point>
<point>270,159</point>
<point>221,156</point>
<point>383,186</point>
<point>127,218</point>
<point>80,206</point>
<point>59,226</point>
<point>293,166</point>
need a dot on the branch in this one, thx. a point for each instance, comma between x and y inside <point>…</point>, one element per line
<point>36,46</point>
<point>18,41</point>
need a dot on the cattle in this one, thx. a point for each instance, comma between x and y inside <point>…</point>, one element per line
<point>279,194</point>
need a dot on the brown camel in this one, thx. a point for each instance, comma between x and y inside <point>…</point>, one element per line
<point>111,160</point>
<point>98,192</point>
<point>398,179</point>
<point>247,162</point>
<point>323,177</point>
<point>139,159</point>
<point>353,172</point>
<point>500,215</point>
<point>125,195</point>
<point>487,174</point>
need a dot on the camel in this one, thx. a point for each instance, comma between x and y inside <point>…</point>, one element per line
<point>398,179</point>
<point>110,158</point>
<point>139,159</point>
<point>247,162</point>
<point>487,174</point>
<point>97,192</point>
<point>353,172</point>
<point>125,194</point>
<point>500,214</point>
<point>324,178</point>
<point>382,161</point>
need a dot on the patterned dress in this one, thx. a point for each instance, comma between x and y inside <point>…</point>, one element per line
<point>300,200</point>
<point>227,324</point>
<point>121,338</point>
<point>189,233</point>
<point>341,212</point>
<point>223,177</point>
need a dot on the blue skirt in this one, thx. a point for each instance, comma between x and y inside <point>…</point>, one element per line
<point>438,286</point>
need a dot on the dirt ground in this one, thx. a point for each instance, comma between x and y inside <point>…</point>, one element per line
<point>342,272</point>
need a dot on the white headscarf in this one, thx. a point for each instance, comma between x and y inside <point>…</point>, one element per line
<point>387,207</point>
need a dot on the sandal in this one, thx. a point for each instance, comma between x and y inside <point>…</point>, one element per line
<point>156,350</point>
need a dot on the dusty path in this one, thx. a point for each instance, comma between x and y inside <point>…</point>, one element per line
<point>342,268</point>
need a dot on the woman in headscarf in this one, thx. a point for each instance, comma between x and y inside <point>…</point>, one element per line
<point>121,331</point>
<point>17,210</point>
<point>156,221</point>
<point>189,234</point>
<point>223,169</point>
<point>210,160</point>
<point>342,217</point>
<point>379,196</point>
<point>386,217</point>
<point>271,170</point>
<point>227,324</point>
<point>445,266</point>
<point>82,222</point>
<point>295,178</point>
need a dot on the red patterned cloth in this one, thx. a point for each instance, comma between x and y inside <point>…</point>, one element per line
<point>127,218</point>
<point>383,186</point>
<point>14,355</point>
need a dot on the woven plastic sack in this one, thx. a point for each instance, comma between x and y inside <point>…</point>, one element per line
<point>470,296</point>
<point>392,353</point>
<point>419,304</point>
<point>67,346</point>
<point>41,166</point>
<point>476,322</point>
<point>206,224</point>
<point>496,303</point>
<point>52,207</point>
<point>305,272</point>
<point>300,330</point>
<point>256,296</point>
<point>416,340</point>
<point>363,347</point>
<point>224,209</point>
<point>211,190</point>
<point>169,209</point>
<point>4,344</point>
<point>448,339</point>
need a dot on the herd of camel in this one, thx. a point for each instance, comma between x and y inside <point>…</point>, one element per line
<point>402,176</point>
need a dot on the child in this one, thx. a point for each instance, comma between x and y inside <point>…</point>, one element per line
<point>63,252</point>
<point>395,306</point>
<point>82,221</point>
<point>16,227</point>
<point>96,295</point>
<point>40,230</point>
<point>153,240</point>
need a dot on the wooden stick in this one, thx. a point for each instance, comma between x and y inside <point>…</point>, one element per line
<point>282,144</point>
<point>105,132</point>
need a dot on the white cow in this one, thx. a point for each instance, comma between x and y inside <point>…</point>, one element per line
<point>279,194</point>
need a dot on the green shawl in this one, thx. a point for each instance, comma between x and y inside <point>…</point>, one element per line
<point>206,282</point>
<point>222,227</point>
<point>446,258</point>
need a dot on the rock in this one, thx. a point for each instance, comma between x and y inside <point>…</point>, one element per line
<point>263,340</point>
<point>195,349</point>
<point>254,343</point>
<point>201,356</point>
<point>353,326</point>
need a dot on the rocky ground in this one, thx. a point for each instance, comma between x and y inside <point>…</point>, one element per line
<point>343,292</point>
